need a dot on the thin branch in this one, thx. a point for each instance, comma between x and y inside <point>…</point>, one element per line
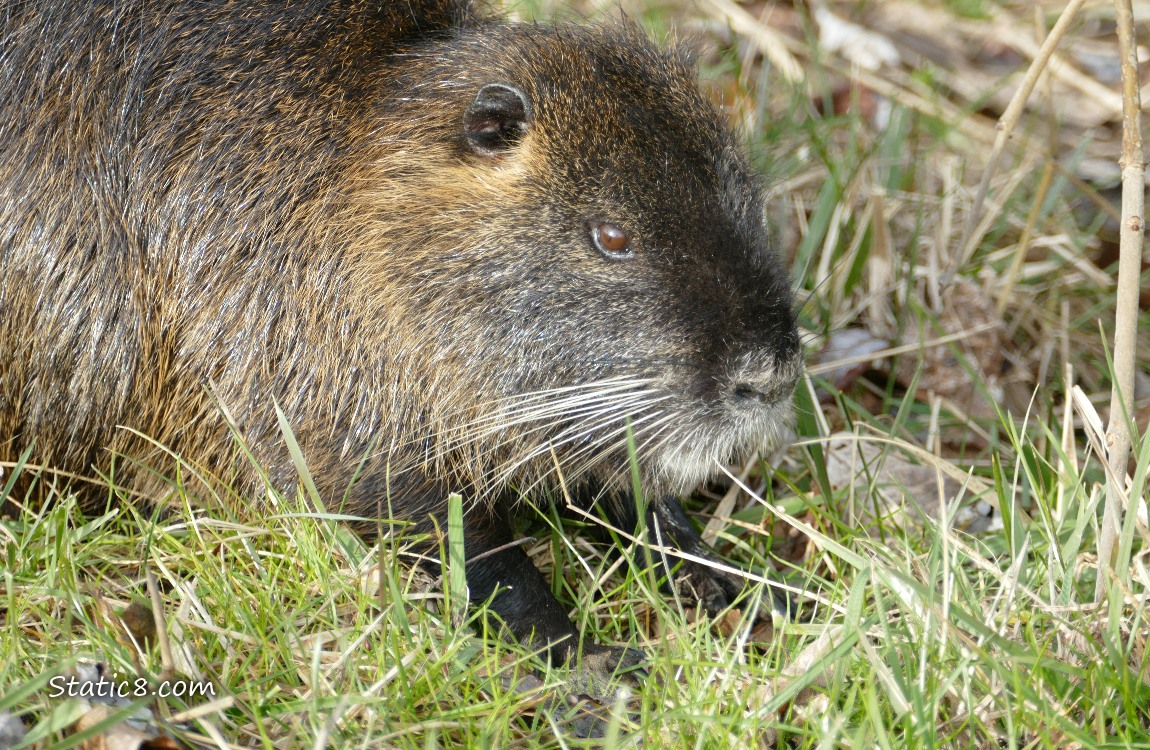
<point>1126,315</point>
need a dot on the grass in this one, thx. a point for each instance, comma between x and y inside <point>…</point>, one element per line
<point>916,634</point>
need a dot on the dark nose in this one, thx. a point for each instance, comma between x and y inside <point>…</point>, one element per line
<point>766,381</point>
<point>764,391</point>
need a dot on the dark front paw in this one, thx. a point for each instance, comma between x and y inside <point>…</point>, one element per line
<point>703,581</point>
<point>714,590</point>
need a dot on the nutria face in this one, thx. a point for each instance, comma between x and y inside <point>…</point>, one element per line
<point>616,270</point>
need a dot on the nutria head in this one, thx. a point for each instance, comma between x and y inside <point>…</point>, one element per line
<point>583,252</point>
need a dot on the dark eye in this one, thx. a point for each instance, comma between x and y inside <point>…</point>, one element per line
<point>612,240</point>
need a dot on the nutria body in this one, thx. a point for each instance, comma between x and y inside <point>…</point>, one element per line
<point>460,255</point>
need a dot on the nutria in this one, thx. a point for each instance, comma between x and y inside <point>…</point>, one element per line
<point>459,254</point>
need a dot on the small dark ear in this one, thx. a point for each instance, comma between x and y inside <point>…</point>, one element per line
<point>497,119</point>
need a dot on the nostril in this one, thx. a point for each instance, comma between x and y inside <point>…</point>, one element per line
<point>767,393</point>
<point>764,384</point>
<point>749,393</point>
<point>769,390</point>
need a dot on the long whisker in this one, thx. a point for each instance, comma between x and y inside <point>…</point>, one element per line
<point>590,420</point>
<point>527,407</point>
<point>552,415</point>
<point>658,437</point>
<point>605,448</point>
<point>650,444</point>
<point>560,407</point>
<point>605,385</point>
<point>597,450</point>
<point>575,434</point>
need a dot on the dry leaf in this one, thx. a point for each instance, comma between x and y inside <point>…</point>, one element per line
<point>96,697</point>
<point>124,735</point>
<point>809,701</point>
<point>893,489</point>
<point>570,705</point>
<point>863,47</point>
<point>139,623</point>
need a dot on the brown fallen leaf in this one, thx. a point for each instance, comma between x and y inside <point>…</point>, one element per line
<point>886,485</point>
<point>568,704</point>
<point>123,735</point>
<point>140,623</point>
<point>96,696</point>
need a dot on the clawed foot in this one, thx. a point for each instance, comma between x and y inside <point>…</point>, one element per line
<point>714,590</point>
<point>696,581</point>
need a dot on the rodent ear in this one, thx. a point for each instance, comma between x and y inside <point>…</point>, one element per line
<point>497,119</point>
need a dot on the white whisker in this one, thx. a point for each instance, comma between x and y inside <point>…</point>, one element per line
<point>597,451</point>
<point>551,418</point>
<point>529,412</point>
<point>607,385</point>
<point>576,434</point>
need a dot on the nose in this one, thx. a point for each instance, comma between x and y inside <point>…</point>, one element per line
<point>765,383</point>
<point>764,391</point>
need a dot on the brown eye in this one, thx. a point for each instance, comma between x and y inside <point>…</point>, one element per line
<point>612,240</point>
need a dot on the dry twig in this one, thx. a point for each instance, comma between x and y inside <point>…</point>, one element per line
<point>1126,315</point>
